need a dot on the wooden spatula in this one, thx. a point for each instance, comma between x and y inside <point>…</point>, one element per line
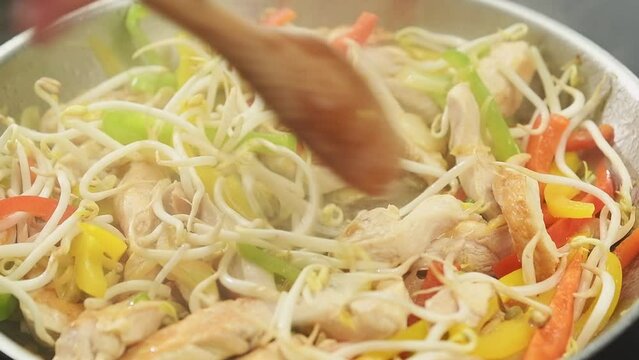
<point>311,87</point>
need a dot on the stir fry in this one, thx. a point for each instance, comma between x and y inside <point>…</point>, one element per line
<point>166,212</point>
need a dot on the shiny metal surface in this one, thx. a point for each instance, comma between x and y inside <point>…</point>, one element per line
<point>71,61</point>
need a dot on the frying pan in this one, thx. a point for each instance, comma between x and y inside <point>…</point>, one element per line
<point>72,59</point>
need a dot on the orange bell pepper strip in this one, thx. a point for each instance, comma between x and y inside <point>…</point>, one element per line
<point>550,341</point>
<point>628,249</point>
<point>581,139</point>
<point>360,31</point>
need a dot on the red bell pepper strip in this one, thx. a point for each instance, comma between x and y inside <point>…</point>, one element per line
<point>628,249</point>
<point>542,147</point>
<point>581,139</point>
<point>506,265</point>
<point>360,31</point>
<point>280,17</point>
<point>35,205</point>
<point>431,281</point>
<point>550,341</point>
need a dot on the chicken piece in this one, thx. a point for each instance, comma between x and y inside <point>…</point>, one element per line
<point>477,245</point>
<point>137,267</point>
<point>518,197</point>
<point>268,352</point>
<point>57,313</point>
<point>226,329</point>
<point>175,200</point>
<point>133,203</point>
<point>361,319</point>
<point>465,141</point>
<point>516,56</point>
<point>388,238</point>
<point>413,100</point>
<point>388,61</point>
<point>476,296</point>
<point>104,334</point>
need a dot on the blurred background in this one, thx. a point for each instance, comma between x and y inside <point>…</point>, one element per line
<point>612,24</point>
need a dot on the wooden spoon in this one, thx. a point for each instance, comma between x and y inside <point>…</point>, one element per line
<point>313,90</point>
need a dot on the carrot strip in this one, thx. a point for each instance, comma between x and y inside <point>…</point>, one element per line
<point>360,31</point>
<point>628,249</point>
<point>582,140</point>
<point>280,17</point>
<point>542,147</point>
<point>550,341</point>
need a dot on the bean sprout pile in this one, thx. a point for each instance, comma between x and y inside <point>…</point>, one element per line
<point>170,194</point>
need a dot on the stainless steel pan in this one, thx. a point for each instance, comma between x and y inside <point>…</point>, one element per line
<point>71,60</point>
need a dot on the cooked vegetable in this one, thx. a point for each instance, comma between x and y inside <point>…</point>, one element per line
<point>8,305</point>
<point>34,205</point>
<point>628,249</point>
<point>193,201</point>
<point>280,17</point>
<point>581,139</point>
<point>551,340</point>
<point>498,135</point>
<point>359,32</point>
<point>89,249</point>
<point>269,262</point>
<point>542,147</point>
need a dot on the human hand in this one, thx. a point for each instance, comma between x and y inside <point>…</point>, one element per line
<point>42,13</point>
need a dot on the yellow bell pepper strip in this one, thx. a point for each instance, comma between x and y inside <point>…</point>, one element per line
<point>34,205</point>
<point>132,22</point>
<point>88,250</point>
<point>560,204</point>
<point>188,274</point>
<point>550,341</point>
<point>505,339</point>
<point>516,278</point>
<point>498,135</point>
<point>8,305</point>
<point>129,126</point>
<point>151,83</point>
<point>613,266</point>
<point>187,65</point>
<point>269,262</point>
<point>564,229</point>
<point>417,331</point>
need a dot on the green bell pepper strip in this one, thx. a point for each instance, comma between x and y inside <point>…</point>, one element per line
<point>284,139</point>
<point>151,83</point>
<point>129,126</point>
<point>501,142</point>
<point>269,262</point>
<point>132,22</point>
<point>8,305</point>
